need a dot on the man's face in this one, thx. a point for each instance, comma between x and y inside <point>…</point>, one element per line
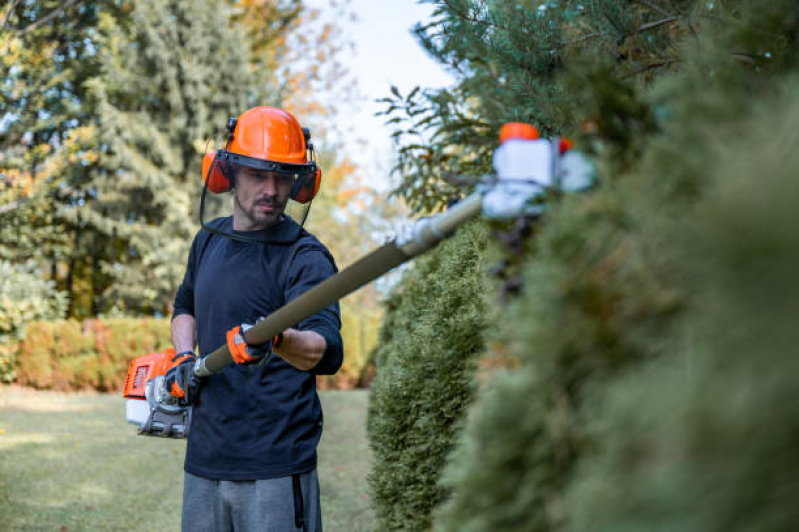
<point>259,198</point>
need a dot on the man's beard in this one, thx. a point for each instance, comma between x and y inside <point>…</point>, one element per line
<point>260,221</point>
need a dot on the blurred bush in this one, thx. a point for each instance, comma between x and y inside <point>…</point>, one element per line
<point>92,354</point>
<point>359,328</point>
<point>425,359</point>
<point>24,297</point>
<point>706,438</point>
<point>95,353</point>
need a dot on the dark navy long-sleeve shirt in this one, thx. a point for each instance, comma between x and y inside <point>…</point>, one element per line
<point>255,422</point>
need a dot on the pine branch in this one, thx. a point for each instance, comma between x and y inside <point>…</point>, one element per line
<point>583,38</point>
<point>459,181</point>
<point>650,66</point>
<point>649,25</point>
<point>472,18</point>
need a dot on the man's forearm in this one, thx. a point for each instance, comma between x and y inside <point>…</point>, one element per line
<point>184,332</point>
<point>301,349</point>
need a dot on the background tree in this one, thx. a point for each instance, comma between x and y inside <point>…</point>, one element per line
<point>107,110</point>
<point>165,84</point>
<point>48,56</point>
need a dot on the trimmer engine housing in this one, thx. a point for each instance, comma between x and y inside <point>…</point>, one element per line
<point>149,405</point>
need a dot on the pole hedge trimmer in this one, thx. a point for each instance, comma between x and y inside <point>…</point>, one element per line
<point>527,167</point>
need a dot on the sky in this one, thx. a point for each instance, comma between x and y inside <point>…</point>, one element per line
<point>385,53</point>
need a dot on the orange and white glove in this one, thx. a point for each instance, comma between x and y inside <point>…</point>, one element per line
<point>243,353</point>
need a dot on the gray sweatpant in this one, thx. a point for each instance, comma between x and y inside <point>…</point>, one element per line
<point>285,504</point>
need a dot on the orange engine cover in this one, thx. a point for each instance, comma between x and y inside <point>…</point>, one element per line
<point>144,368</point>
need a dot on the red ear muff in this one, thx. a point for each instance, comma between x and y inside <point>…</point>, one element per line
<point>214,172</point>
<point>308,189</point>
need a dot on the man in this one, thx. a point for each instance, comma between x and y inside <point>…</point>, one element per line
<point>251,452</point>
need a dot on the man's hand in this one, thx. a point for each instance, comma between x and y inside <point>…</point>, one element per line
<point>243,353</point>
<point>180,380</point>
<point>301,349</point>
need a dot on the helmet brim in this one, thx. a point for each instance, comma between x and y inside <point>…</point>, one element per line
<point>267,165</point>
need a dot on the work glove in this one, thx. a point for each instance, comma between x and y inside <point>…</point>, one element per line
<point>243,353</point>
<point>180,380</point>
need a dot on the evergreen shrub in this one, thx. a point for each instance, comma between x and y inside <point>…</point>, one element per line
<point>425,359</point>
<point>93,354</point>
<point>656,385</point>
<point>706,439</point>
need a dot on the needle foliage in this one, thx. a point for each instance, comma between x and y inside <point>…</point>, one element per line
<point>425,359</point>
<point>651,383</point>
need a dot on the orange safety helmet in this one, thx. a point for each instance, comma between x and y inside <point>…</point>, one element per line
<point>269,139</point>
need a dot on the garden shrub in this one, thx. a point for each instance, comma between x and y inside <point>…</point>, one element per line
<point>425,358</point>
<point>93,354</point>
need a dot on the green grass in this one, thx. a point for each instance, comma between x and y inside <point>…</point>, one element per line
<point>70,462</point>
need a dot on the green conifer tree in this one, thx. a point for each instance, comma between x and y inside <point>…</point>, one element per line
<point>171,74</point>
<point>609,303</point>
<point>425,359</point>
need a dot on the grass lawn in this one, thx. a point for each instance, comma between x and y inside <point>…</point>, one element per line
<point>70,462</point>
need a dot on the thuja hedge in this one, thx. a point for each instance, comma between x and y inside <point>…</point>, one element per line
<point>656,329</point>
<point>426,352</point>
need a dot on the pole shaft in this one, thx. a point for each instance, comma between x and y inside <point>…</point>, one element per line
<point>365,270</point>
